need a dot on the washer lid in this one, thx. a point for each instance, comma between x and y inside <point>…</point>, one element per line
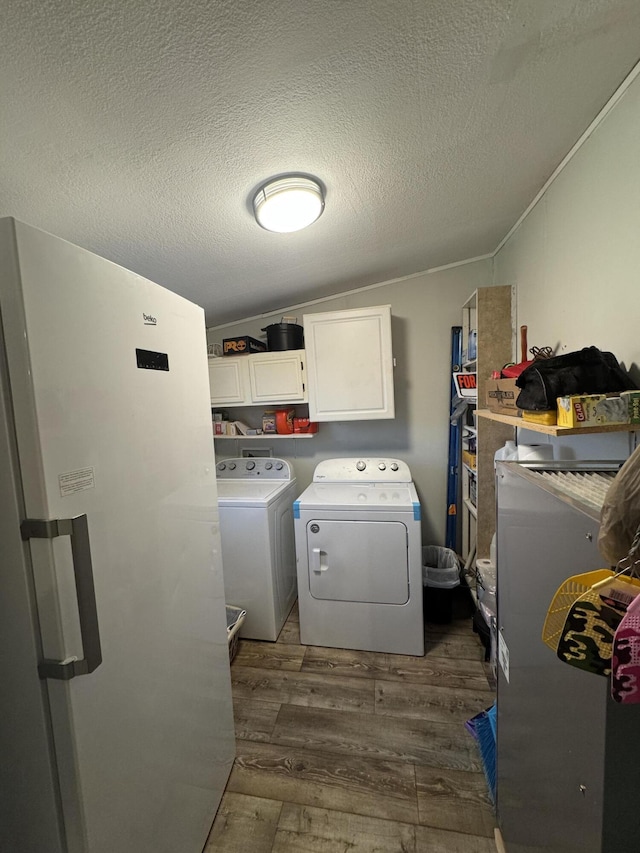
<point>250,493</point>
<point>372,497</point>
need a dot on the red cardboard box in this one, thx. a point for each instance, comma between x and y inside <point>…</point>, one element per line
<point>304,425</point>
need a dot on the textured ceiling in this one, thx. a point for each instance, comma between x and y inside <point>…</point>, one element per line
<point>139,130</point>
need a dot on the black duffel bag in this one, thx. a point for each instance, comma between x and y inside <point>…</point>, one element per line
<point>586,371</point>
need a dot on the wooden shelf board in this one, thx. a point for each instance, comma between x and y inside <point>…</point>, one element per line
<point>554,429</point>
<point>266,436</point>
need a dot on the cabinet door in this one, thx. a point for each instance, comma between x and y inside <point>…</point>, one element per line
<point>229,380</point>
<point>349,364</point>
<point>277,377</point>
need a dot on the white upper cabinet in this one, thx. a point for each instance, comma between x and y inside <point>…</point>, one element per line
<point>250,380</point>
<point>349,364</point>
<point>229,380</point>
<point>277,377</point>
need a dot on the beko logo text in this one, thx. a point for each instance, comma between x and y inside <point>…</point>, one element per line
<point>149,320</point>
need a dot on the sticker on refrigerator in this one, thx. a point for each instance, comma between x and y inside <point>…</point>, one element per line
<point>76,481</point>
<point>503,656</point>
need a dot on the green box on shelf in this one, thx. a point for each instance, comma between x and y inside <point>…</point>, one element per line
<point>633,399</point>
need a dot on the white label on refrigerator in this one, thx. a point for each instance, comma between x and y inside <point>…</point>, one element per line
<point>76,481</point>
<point>503,656</point>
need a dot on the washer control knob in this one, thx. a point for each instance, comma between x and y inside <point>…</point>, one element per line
<point>279,466</point>
<point>361,465</point>
<point>232,466</point>
<point>251,466</point>
<point>268,466</point>
<point>394,466</point>
<point>382,466</point>
<point>221,466</point>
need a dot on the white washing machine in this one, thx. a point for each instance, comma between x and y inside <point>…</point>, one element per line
<point>255,499</point>
<point>359,549</point>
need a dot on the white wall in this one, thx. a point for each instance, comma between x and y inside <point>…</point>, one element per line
<point>423,308</point>
<point>575,259</point>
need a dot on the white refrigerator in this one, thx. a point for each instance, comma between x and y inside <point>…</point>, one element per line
<point>116,725</point>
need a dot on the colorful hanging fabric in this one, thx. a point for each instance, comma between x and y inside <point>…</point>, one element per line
<point>625,659</point>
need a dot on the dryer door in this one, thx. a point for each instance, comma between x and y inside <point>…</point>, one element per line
<point>363,561</point>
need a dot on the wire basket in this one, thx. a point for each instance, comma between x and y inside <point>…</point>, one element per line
<point>235,618</point>
<point>587,638</point>
<point>568,594</point>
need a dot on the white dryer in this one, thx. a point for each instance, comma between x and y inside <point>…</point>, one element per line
<point>255,500</point>
<point>359,548</point>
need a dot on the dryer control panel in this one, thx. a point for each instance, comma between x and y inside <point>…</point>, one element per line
<point>245,468</point>
<point>363,469</point>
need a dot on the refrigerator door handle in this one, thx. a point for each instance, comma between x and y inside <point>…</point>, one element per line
<point>78,530</point>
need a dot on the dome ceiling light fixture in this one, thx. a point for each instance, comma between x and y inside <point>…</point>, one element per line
<point>288,204</point>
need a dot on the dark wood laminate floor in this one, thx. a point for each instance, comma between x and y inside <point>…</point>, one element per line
<point>362,751</point>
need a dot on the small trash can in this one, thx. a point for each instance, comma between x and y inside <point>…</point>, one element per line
<point>440,575</point>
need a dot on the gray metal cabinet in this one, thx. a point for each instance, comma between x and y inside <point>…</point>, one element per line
<point>568,757</point>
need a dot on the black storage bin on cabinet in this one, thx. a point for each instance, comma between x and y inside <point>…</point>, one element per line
<point>284,336</point>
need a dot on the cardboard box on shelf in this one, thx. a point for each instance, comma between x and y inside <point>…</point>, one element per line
<point>304,425</point>
<point>269,422</point>
<point>469,459</point>
<point>592,410</point>
<point>242,345</point>
<point>502,395</point>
